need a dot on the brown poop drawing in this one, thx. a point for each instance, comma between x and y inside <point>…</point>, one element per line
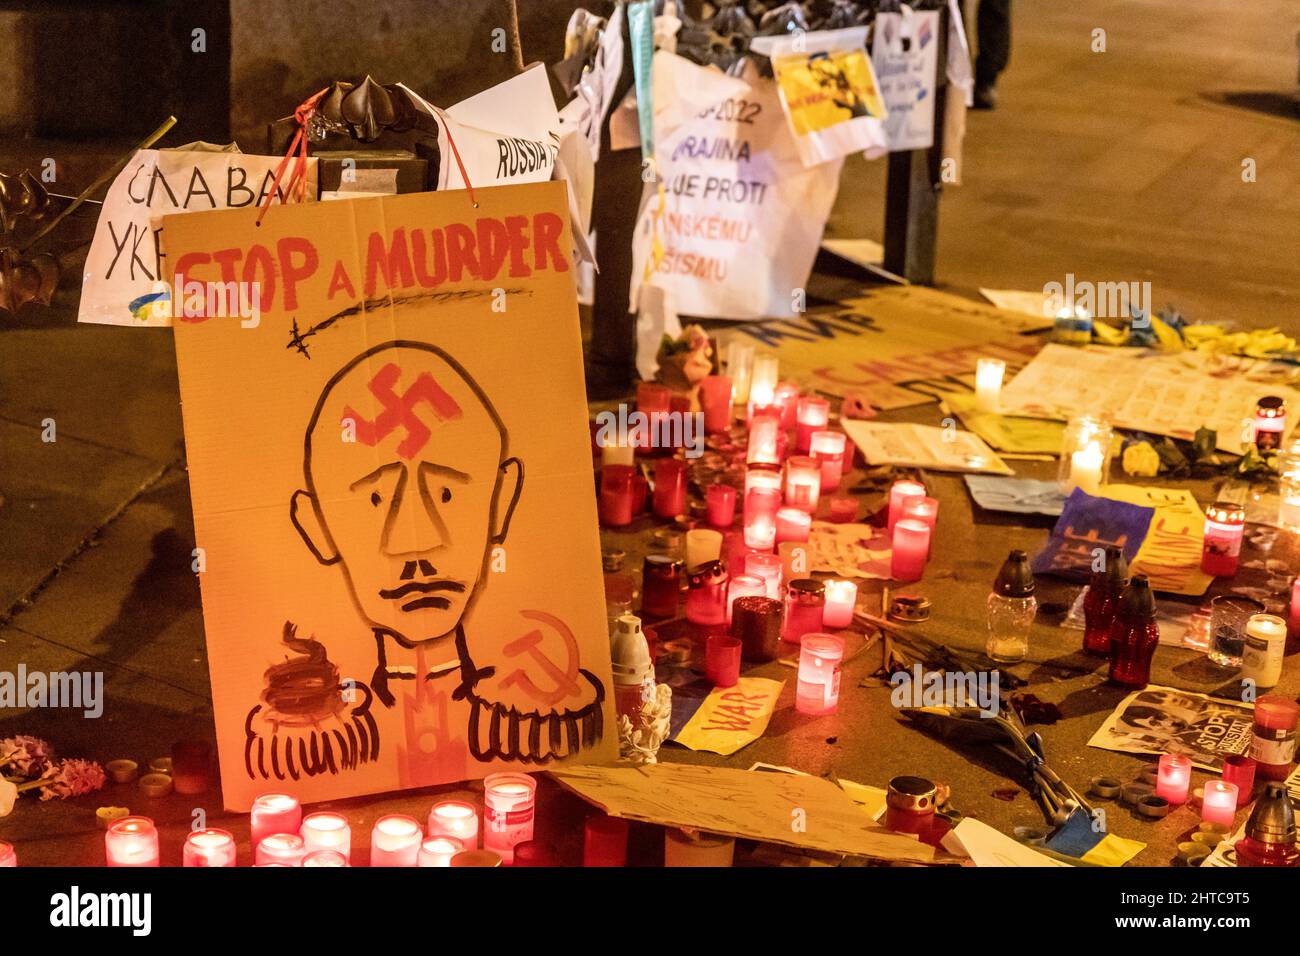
<point>309,722</point>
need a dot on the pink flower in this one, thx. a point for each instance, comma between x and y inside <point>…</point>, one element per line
<point>71,778</point>
<point>30,756</point>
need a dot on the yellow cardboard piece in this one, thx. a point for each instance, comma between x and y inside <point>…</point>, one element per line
<point>789,809</point>
<point>731,717</point>
<point>1008,433</point>
<point>897,346</point>
<point>390,472</point>
<point>1170,555</point>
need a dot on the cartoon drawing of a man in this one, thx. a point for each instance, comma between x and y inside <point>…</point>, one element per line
<point>410,485</point>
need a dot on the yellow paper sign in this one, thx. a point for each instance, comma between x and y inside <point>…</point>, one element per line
<point>824,89</point>
<point>731,717</point>
<point>1170,555</point>
<point>389,467</point>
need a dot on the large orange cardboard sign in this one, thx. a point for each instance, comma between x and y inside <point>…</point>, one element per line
<point>390,469</point>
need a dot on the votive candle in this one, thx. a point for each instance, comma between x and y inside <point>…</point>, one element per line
<point>702,546</point>
<point>1225,526</point>
<point>715,402</point>
<point>395,841</point>
<point>670,488</point>
<point>1295,608</point>
<point>287,849</point>
<point>706,594</point>
<point>319,859</point>
<point>617,504</point>
<point>786,398</point>
<point>768,567</point>
<point>326,831</point>
<point>1219,802</point>
<point>911,547</point>
<point>274,813</point>
<point>744,585</point>
<point>1238,769</point>
<point>899,494</point>
<point>922,509</point>
<point>762,380</point>
<point>827,448</point>
<point>509,802</point>
<point>805,601</point>
<point>740,368</point>
<point>722,660</point>
<point>131,841</point>
<point>1085,468</point>
<point>818,689</point>
<point>761,506</point>
<point>762,478</point>
<point>813,416</point>
<point>988,384</point>
<point>208,848</point>
<point>438,851</point>
<point>763,432</point>
<point>792,524</point>
<point>8,857</point>
<point>605,842</point>
<point>803,482</point>
<point>612,453</point>
<point>844,509</point>
<point>1174,778</point>
<point>841,598</point>
<point>720,505</point>
<point>1270,423</point>
<point>455,818</point>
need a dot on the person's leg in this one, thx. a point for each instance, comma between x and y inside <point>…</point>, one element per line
<point>993,28</point>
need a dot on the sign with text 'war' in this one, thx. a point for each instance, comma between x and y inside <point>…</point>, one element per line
<point>390,472</point>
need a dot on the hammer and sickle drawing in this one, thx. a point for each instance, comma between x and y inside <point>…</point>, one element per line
<point>564,679</point>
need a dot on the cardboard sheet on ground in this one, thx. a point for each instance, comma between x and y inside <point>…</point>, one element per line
<point>924,446</point>
<point>125,278</point>
<point>729,718</point>
<point>738,803</point>
<point>1159,720</point>
<point>1146,391</point>
<point>849,550</point>
<point>896,345</point>
<point>401,581</point>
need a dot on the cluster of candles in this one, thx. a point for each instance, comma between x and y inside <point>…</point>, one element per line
<point>282,836</point>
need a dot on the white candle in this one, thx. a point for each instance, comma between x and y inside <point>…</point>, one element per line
<point>395,841</point>
<point>841,596</point>
<point>326,831</point>
<point>509,802</point>
<point>1085,469</point>
<point>988,384</point>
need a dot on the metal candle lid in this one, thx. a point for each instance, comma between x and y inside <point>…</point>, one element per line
<point>1226,512</point>
<point>1272,820</point>
<point>913,794</point>
<point>807,591</point>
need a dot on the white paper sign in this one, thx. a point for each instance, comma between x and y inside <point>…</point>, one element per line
<point>124,268</point>
<point>740,217</point>
<point>924,446</point>
<point>905,53</point>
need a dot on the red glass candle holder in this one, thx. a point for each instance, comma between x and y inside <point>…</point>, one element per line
<point>786,398</point>
<point>722,660</point>
<point>1239,769</point>
<point>763,476</point>
<point>813,415</point>
<point>661,586</point>
<point>191,766</point>
<point>910,805</point>
<point>841,600</point>
<point>509,808</point>
<point>844,510</point>
<point>617,495</point>
<point>899,494</point>
<point>395,841</point>
<point>273,813</point>
<point>1174,778</point>
<point>455,818</point>
<point>1270,423</point>
<point>326,831</point>
<point>803,483</point>
<point>715,402</point>
<point>763,432</point>
<point>706,594</point>
<point>605,842</point>
<point>911,548</point>
<point>1225,526</point>
<point>818,690</point>
<point>286,849</point>
<point>765,565</point>
<point>805,601</point>
<point>827,448</point>
<point>720,505</point>
<point>1274,739</point>
<point>437,851</point>
<point>743,585</point>
<point>923,509</point>
<point>670,488</point>
<point>131,842</point>
<point>761,506</point>
<point>207,848</point>
<point>792,524</point>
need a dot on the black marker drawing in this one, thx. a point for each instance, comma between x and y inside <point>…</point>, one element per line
<point>409,486</point>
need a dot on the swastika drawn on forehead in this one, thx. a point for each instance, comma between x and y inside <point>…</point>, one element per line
<point>399,410</point>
